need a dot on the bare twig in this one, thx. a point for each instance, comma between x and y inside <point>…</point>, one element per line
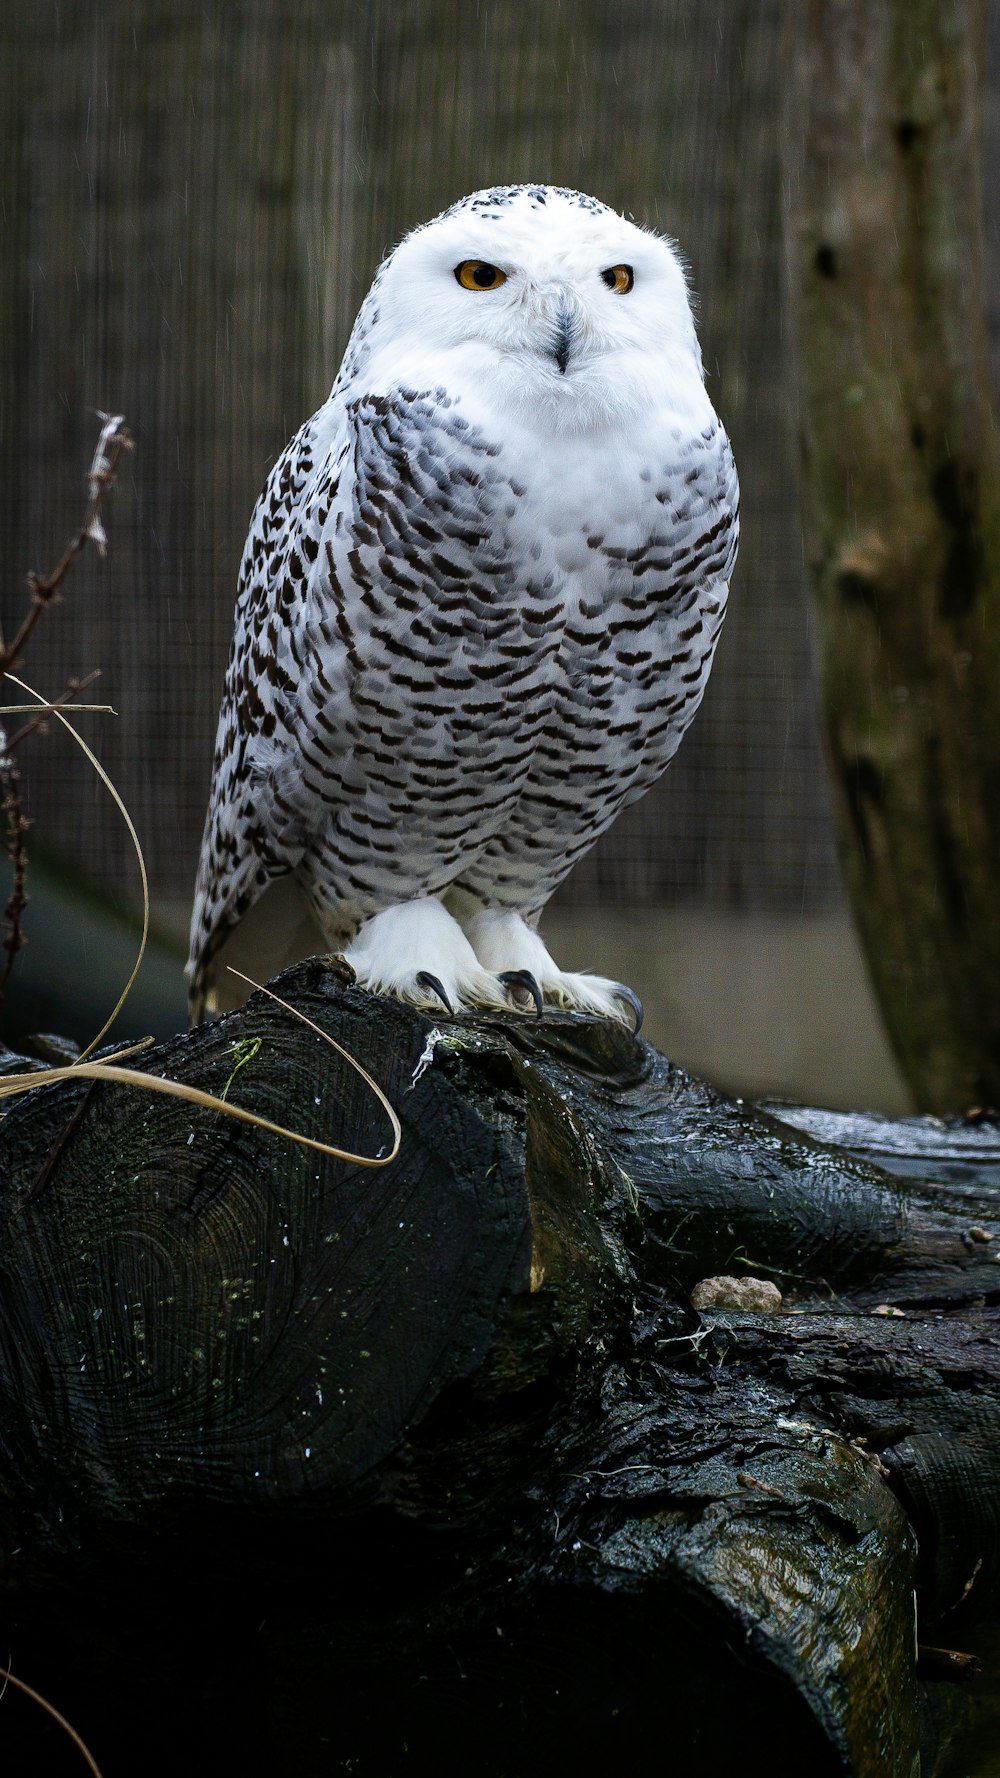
<point>80,709</point>
<point>17,827</point>
<point>66,697</point>
<point>114,441</point>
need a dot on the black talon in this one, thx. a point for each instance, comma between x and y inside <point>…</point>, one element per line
<point>631,999</point>
<point>523,978</point>
<point>424,979</point>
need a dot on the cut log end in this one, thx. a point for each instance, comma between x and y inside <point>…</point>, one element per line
<point>580,1394</point>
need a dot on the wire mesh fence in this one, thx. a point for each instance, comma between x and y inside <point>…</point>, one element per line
<point>195,198</point>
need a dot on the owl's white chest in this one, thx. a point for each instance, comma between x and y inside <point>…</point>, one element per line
<point>612,476</point>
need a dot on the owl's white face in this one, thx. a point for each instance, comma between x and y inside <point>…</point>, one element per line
<point>541,301</point>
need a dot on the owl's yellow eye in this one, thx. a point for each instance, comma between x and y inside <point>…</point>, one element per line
<point>619,278</point>
<point>475,274</point>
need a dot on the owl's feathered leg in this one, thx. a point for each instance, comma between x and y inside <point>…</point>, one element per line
<point>418,952</point>
<point>505,944</point>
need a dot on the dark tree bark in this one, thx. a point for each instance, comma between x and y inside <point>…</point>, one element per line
<point>901,484</point>
<point>437,1467</point>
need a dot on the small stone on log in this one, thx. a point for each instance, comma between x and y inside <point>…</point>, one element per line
<point>756,1294</point>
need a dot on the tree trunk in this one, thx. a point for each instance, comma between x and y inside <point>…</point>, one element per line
<point>902,508</point>
<point>438,1467</point>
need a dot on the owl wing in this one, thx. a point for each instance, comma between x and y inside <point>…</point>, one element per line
<point>254,825</point>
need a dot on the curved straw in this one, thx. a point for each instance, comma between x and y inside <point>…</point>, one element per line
<point>10,1678</point>
<point>106,1070</point>
<point>177,1089</point>
<point>102,774</point>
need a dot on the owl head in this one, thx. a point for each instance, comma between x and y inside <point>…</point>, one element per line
<point>537,299</point>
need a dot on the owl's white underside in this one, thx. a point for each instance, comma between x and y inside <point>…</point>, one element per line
<point>478,607</point>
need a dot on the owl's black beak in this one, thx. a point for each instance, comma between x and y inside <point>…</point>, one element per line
<point>564,328</point>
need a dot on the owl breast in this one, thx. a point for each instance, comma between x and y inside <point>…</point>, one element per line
<point>499,657</point>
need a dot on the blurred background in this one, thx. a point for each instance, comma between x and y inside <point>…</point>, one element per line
<point>193,200</point>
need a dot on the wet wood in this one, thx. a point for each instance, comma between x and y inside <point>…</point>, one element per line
<point>438,1464</point>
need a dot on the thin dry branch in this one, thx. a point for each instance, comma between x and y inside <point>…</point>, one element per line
<point>114,441</point>
<point>129,823</point>
<point>17,827</point>
<point>73,687</point>
<point>47,709</point>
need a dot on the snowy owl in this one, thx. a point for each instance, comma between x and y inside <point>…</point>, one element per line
<point>478,604</point>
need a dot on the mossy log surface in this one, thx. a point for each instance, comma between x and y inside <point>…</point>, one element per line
<point>437,1467</point>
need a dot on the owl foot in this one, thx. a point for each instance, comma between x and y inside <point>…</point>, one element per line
<point>424,979</point>
<point>523,983</point>
<point>419,953</point>
<point>506,945</point>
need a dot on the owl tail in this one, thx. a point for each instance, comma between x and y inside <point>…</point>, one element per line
<point>202,992</point>
<point>197,998</point>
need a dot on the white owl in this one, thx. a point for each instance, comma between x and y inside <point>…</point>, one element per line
<point>478,604</point>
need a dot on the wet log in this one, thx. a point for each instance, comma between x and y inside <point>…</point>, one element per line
<point>439,1466</point>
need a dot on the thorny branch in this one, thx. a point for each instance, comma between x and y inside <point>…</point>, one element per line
<point>114,441</point>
